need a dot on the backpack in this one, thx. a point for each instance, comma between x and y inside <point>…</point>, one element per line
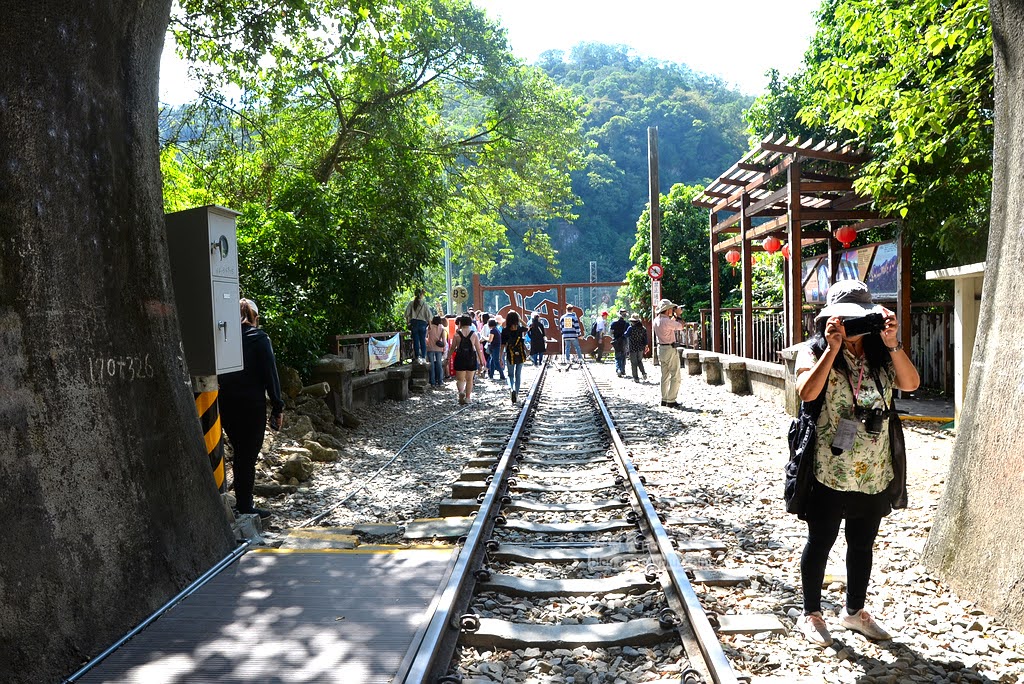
<point>516,349</point>
<point>465,355</point>
<point>593,328</point>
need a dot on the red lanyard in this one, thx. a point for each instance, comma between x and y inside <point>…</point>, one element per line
<point>856,392</point>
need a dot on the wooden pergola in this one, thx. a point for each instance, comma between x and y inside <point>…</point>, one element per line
<point>802,191</point>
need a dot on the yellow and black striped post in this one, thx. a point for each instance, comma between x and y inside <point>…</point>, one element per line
<point>209,420</point>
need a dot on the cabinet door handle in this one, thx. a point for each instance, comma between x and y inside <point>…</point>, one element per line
<point>223,325</point>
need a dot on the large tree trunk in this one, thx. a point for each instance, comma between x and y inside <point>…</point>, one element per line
<point>977,541</point>
<point>109,504</point>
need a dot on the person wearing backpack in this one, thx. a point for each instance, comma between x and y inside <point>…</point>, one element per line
<point>514,345</point>
<point>468,356</point>
<point>570,327</point>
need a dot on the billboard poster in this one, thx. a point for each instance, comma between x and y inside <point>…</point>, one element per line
<point>877,265</point>
<point>383,353</point>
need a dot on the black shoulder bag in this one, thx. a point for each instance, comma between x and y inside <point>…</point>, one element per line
<point>803,438</point>
<point>897,489</point>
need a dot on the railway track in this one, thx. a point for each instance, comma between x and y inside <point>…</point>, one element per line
<point>566,551</point>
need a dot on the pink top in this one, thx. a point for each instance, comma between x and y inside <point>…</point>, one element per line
<point>665,329</point>
<point>435,333</point>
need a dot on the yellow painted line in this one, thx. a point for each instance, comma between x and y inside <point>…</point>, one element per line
<point>204,401</point>
<point>396,549</point>
<point>932,419</point>
<point>212,437</point>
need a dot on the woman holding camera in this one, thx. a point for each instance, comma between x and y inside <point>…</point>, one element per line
<point>853,364</point>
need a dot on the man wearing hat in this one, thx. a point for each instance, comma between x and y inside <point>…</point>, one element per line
<point>665,327</point>
<point>618,331</point>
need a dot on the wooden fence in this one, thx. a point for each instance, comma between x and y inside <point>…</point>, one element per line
<point>930,346</point>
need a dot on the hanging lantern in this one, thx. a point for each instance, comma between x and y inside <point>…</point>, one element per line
<point>785,251</point>
<point>771,244</point>
<point>846,235</point>
<point>733,257</point>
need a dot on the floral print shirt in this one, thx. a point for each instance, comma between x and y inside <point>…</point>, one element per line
<point>867,467</point>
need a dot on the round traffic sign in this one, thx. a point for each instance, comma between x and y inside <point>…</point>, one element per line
<point>655,271</point>
<point>460,294</point>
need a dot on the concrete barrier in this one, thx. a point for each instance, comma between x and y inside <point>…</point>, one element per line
<point>711,365</point>
<point>691,360</point>
<point>734,374</point>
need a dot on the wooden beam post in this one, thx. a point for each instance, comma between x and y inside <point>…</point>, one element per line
<point>794,323</point>
<point>716,293</point>
<point>903,289</point>
<point>655,204</point>
<point>833,257</point>
<point>747,275</point>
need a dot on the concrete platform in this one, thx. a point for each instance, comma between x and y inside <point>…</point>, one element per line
<point>289,616</point>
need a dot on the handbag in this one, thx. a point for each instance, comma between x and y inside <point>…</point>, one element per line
<point>897,489</point>
<point>803,440</point>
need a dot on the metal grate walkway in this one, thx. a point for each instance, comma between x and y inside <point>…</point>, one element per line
<point>287,616</point>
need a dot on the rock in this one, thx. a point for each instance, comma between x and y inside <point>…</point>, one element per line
<point>321,454</point>
<point>297,426</point>
<point>298,467</point>
<point>291,383</point>
<point>272,489</point>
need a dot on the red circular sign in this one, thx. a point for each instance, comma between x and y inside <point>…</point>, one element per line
<point>655,272</point>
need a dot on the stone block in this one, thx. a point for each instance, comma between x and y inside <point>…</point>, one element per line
<point>734,373</point>
<point>691,359</point>
<point>711,366</point>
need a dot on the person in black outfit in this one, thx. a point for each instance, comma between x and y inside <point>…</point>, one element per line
<point>538,341</point>
<point>243,405</point>
<point>618,330</point>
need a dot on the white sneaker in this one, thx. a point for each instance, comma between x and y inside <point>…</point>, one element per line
<point>862,622</point>
<point>814,630</point>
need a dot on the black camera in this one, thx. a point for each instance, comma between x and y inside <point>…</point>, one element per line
<point>864,325</point>
<point>872,418</point>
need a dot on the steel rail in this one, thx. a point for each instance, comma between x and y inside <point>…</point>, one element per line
<point>718,665</point>
<point>442,623</point>
<point>181,596</point>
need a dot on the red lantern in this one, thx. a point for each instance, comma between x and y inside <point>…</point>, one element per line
<point>785,251</point>
<point>846,235</point>
<point>733,257</point>
<point>771,244</point>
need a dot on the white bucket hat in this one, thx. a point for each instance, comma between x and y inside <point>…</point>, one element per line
<point>848,299</point>
<point>665,304</point>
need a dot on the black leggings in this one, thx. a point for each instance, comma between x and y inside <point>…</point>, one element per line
<point>245,423</point>
<point>822,531</point>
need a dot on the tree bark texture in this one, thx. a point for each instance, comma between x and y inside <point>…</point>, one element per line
<point>110,507</point>
<point>977,541</point>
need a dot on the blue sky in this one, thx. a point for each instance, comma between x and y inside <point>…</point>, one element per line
<point>738,40</point>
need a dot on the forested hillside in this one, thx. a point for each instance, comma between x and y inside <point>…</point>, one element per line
<point>701,132</point>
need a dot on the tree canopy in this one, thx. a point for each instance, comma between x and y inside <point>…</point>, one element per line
<point>912,81</point>
<point>365,135</point>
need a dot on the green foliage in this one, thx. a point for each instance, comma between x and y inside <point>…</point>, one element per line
<point>684,256</point>
<point>912,81</point>
<point>366,135</point>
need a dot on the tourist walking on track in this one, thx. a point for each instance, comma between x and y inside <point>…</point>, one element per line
<point>513,341</point>
<point>437,337</point>
<point>570,327</point>
<point>665,326</point>
<point>600,330</point>
<point>493,353</point>
<point>850,371</point>
<point>538,340</point>
<point>243,405</point>
<point>417,318</point>
<point>636,346</point>
<point>468,355</point>
<point>618,331</point>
